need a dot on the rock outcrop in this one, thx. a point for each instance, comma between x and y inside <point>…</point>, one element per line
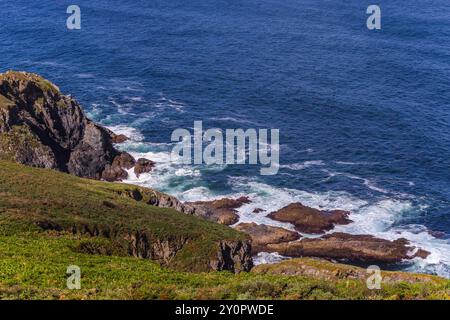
<point>330,271</point>
<point>310,220</point>
<point>353,248</point>
<point>156,198</point>
<point>41,127</point>
<point>222,211</point>
<point>118,138</point>
<point>143,166</point>
<point>263,235</point>
<point>234,256</point>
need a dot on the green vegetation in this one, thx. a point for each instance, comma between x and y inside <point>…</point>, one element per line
<point>44,84</point>
<point>17,138</point>
<point>33,261</point>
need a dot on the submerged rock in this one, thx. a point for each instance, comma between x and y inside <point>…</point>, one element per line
<point>41,127</point>
<point>356,248</point>
<point>222,211</point>
<point>310,220</point>
<point>262,235</point>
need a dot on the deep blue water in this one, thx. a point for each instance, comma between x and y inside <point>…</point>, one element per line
<point>364,116</point>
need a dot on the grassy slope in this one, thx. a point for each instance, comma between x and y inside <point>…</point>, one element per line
<point>33,262</point>
<point>29,195</point>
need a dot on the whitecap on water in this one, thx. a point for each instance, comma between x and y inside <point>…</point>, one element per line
<point>303,165</point>
<point>132,133</point>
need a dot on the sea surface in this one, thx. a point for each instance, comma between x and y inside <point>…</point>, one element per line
<point>364,116</point>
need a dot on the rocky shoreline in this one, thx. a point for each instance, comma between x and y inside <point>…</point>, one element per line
<point>43,128</point>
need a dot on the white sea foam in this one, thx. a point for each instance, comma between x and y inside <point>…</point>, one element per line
<point>367,182</point>
<point>121,108</point>
<point>349,163</point>
<point>303,165</point>
<point>265,257</point>
<point>135,99</point>
<point>166,103</point>
<point>187,172</point>
<point>198,194</point>
<point>232,119</point>
<point>132,133</point>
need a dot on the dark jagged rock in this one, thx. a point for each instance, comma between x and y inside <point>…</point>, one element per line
<point>222,211</point>
<point>262,235</point>
<point>116,171</point>
<point>356,248</point>
<point>233,256</point>
<point>143,166</point>
<point>43,128</point>
<point>310,220</point>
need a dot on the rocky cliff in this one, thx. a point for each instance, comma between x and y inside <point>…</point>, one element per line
<point>41,127</point>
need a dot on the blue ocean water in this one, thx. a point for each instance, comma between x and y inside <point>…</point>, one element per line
<point>364,116</point>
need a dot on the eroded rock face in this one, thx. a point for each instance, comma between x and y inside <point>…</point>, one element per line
<point>356,248</point>
<point>222,211</point>
<point>43,128</point>
<point>234,256</point>
<point>310,220</point>
<point>161,251</point>
<point>262,235</point>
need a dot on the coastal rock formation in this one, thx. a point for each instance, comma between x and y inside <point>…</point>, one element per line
<point>234,256</point>
<point>222,211</point>
<point>143,166</point>
<point>41,127</point>
<point>310,220</point>
<point>118,138</point>
<point>117,170</point>
<point>331,271</point>
<point>262,235</point>
<point>156,198</point>
<point>354,248</point>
